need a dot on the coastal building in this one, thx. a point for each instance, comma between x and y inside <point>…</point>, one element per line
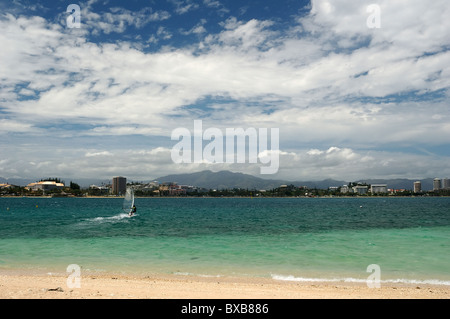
<point>446,183</point>
<point>172,189</point>
<point>360,189</point>
<point>344,189</point>
<point>378,188</point>
<point>417,187</point>
<point>436,184</point>
<point>101,190</point>
<point>44,186</point>
<point>394,191</point>
<point>119,185</point>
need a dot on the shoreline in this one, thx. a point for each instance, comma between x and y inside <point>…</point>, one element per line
<point>21,285</point>
<point>249,197</point>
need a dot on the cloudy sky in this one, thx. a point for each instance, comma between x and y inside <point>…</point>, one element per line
<point>352,99</point>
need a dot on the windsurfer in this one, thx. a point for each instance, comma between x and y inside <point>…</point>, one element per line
<point>133,210</point>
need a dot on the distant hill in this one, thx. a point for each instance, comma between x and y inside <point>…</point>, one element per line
<point>227,179</point>
<point>221,180</point>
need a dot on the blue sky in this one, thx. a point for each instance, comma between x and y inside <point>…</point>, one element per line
<point>351,101</point>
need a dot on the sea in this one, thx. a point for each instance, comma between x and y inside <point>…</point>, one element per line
<point>403,240</point>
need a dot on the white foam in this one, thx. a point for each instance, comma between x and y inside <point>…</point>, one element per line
<point>304,279</point>
<point>111,218</point>
<point>101,220</point>
<point>357,280</point>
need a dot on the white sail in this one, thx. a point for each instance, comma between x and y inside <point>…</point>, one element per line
<point>128,201</point>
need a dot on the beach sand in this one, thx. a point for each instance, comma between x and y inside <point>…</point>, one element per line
<point>51,286</point>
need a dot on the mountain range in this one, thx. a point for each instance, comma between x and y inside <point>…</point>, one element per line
<point>228,180</point>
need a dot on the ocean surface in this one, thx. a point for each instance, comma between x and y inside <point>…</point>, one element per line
<point>299,239</point>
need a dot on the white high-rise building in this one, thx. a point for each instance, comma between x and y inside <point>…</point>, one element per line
<point>378,188</point>
<point>417,187</point>
<point>436,184</point>
<point>446,183</point>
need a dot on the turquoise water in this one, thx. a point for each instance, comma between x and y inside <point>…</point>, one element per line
<point>281,238</point>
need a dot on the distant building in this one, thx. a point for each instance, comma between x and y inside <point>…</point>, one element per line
<point>436,184</point>
<point>119,185</point>
<point>344,189</point>
<point>45,186</point>
<point>100,189</point>
<point>378,188</point>
<point>446,183</point>
<point>360,189</point>
<point>417,187</point>
<point>173,189</point>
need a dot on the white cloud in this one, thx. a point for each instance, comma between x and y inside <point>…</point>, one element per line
<point>7,125</point>
<point>95,154</point>
<point>329,80</point>
<point>117,19</point>
<point>163,33</point>
<point>350,165</point>
<point>212,3</point>
<point>251,34</point>
<point>197,29</point>
<point>224,69</point>
<point>184,6</point>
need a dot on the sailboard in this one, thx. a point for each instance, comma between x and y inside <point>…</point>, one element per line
<point>128,201</point>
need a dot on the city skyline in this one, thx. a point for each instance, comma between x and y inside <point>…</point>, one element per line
<point>118,184</point>
<point>354,95</point>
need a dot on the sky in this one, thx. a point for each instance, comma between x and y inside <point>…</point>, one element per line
<point>357,89</point>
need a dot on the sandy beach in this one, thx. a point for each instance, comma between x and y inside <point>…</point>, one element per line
<point>50,286</point>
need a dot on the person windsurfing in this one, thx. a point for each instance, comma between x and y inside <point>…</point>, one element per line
<point>133,210</point>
